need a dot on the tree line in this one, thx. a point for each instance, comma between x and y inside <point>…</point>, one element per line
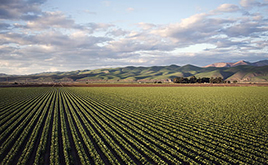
<point>193,79</point>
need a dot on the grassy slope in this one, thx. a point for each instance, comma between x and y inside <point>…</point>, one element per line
<point>241,73</point>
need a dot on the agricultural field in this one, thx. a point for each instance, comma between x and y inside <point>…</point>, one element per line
<point>134,125</point>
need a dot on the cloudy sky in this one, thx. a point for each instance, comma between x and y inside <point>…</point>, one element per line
<point>64,35</point>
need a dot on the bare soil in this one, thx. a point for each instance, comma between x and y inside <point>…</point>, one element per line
<point>136,85</point>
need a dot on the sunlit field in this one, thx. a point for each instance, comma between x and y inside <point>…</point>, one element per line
<point>134,125</point>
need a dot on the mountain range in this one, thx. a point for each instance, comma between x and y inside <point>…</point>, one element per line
<point>242,62</point>
<point>240,71</point>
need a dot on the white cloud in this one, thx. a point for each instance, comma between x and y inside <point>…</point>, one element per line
<point>252,3</point>
<point>117,32</point>
<point>193,20</point>
<point>227,8</point>
<point>146,26</point>
<point>52,40</point>
<point>17,9</point>
<point>246,29</point>
<point>248,3</point>
<point>194,29</point>
<point>98,26</point>
<point>51,20</point>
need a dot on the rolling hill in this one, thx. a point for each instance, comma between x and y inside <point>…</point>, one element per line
<point>241,73</point>
<point>242,62</point>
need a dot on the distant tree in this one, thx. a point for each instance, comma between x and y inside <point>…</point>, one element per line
<point>185,80</point>
<point>211,80</point>
<point>180,80</point>
<point>216,80</point>
<point>205,80</point>
<point>158,82</point>
<point>219,80</point>
<point>176,80</point>
<point>193,79</point>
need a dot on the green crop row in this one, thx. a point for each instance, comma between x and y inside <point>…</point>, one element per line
<point>19,139</point>
<point>44,136</point>
<point>134,125</point>
<point>232,144</point>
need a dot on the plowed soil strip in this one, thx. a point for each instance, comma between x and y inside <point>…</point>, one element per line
<point>73,151</point>
<point>37,141</point>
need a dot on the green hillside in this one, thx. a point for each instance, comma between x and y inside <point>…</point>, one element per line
<point>155,73</point>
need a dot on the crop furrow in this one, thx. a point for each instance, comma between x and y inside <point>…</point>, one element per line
<point>76,131</point>
<point>21,141</point>
<point>39,157</point>
<point>54,146</point>
<point>101,134</point>
<point>164,153</point>
<point>68,155</point>
<point>238,156</point>
<point>189,130</point>
<point>19,114</point>
<point>34,140</point>
<point>10,135</point>
<point>92,142</point>
<point>71,138</point>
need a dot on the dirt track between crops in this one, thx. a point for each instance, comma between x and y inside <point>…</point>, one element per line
<point>165,85</point>
<point>138,85</point>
